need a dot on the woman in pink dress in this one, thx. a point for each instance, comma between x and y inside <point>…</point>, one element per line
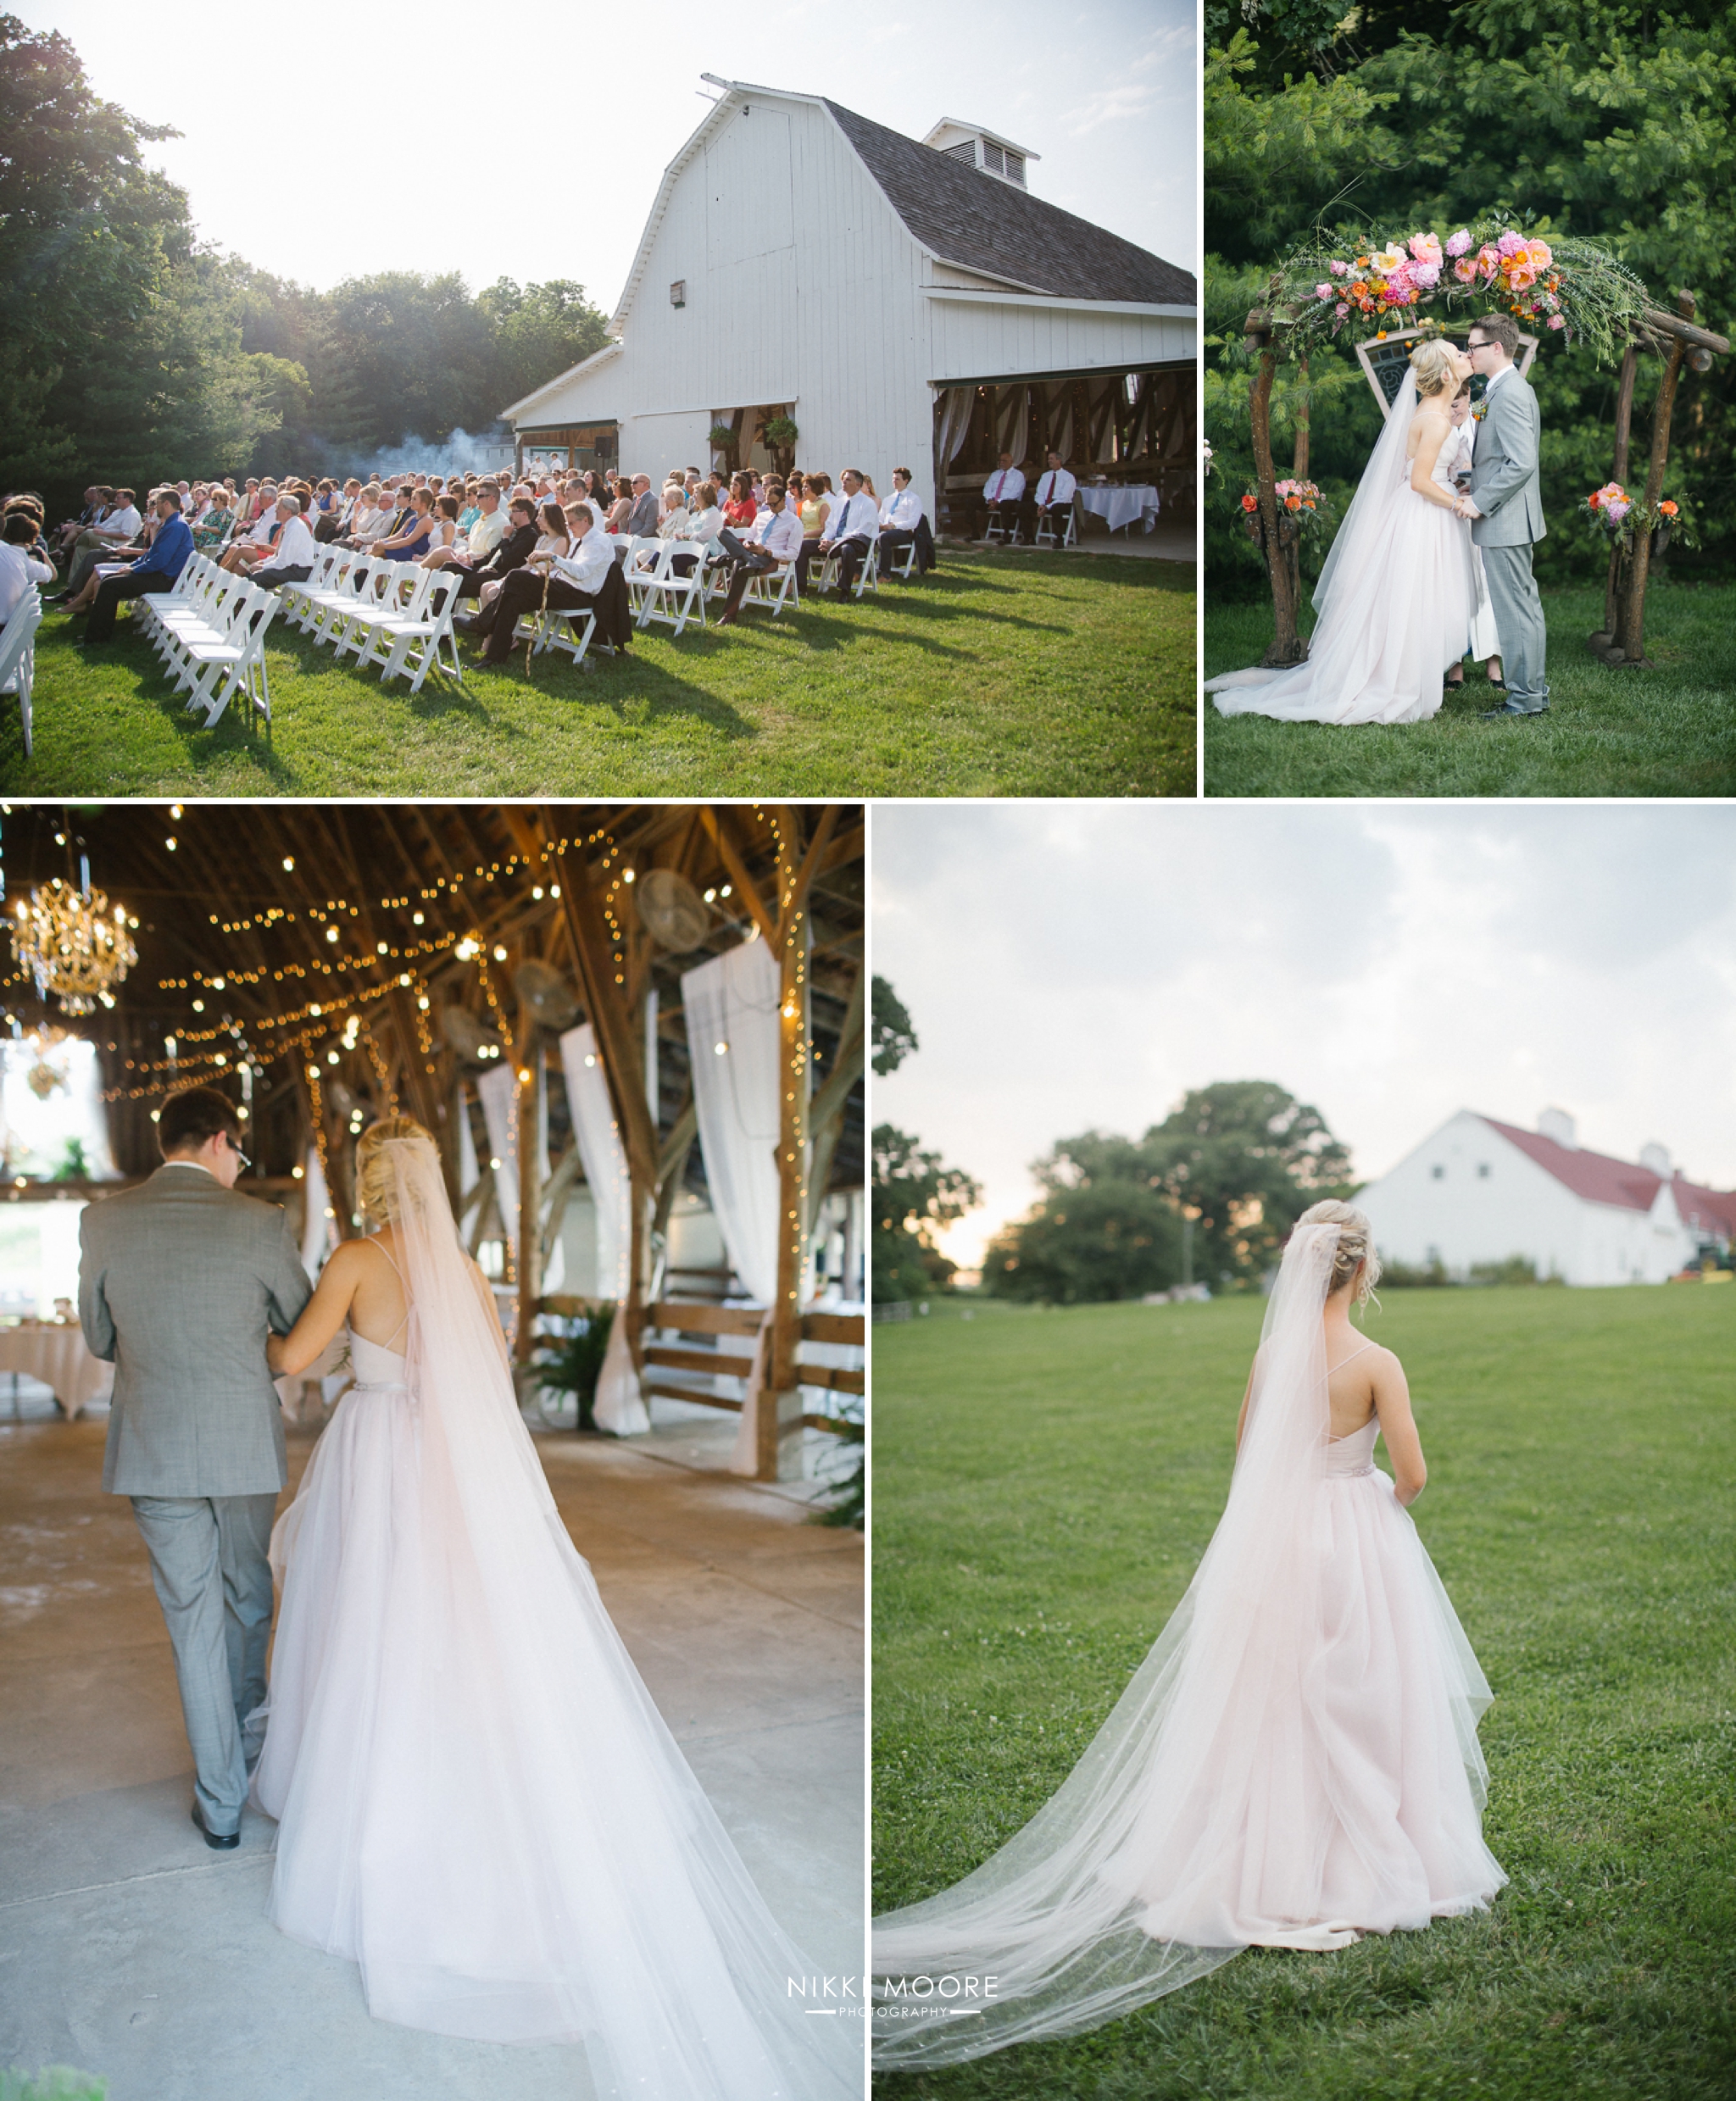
<point>1294,1764</point>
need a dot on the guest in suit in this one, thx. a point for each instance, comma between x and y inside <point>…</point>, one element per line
<point>642,520</point>
<point>852,529</point>
<point>1003,495</point>
<point>180,1282</point>
<point>900,516</point>
<point>1052,499</point>
<point>773,539</point>
<point>570,583</point>
<point>156,569</point>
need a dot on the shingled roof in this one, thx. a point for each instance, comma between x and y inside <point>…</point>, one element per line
<point>981,223</point>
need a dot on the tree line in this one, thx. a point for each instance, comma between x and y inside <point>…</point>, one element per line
<point>134,352</point>
<point>1208,1196</point>
<point>1615,123</point>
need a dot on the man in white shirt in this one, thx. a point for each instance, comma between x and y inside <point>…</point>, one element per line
<point>773,541</point>
<point>119,528</point>
<point>569,583</point>
<point>1054,499</point>
<point>900,516</point>
<point>1002,494</point>
<point>293,557</point>
<point>851,528</point>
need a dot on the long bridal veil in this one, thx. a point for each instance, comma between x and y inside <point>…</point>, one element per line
<point>1212,1811</point>
<point>499,1826</point>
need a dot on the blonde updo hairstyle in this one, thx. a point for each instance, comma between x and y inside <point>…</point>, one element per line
<point>1355,1246</point>
<point>1432,364</point>
<point>376,1193</point>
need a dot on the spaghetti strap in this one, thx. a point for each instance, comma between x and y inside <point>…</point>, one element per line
<point>1331,1369</point>
<point>368,1242</point>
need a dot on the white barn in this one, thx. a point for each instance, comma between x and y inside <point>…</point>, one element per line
<point>1479,1191</point>
<point>903,302</point>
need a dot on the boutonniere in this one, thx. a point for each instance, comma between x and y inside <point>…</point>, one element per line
<point>1479,410</point>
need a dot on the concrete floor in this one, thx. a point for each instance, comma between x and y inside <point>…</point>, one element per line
<point>129,1950</point>
<point>1171,540</point>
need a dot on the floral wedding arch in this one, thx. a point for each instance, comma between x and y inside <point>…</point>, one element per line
<point>1374,293</point>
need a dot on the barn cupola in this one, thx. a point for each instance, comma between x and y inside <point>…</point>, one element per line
<point>977,148</point>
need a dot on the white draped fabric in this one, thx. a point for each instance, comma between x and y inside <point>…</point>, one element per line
<point>316,1227</point>
<point>620,1407</point>
<point>469,1173</point>
<point>497,1091</point>
<point>733,1046</point>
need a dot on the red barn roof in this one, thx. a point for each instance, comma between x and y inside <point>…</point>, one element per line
<point>1630,1187</point>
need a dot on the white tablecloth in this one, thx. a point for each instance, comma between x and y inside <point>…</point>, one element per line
<point>57,1357</point>
<point>1121,505</point>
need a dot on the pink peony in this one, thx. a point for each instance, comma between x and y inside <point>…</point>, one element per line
<point>1341,309</point>
<point>1557,321</point>
<point>1618,508</point>
<point>1460,241</point>
<point>1489,260</point>
<point>1426,274</point>
<point>1425,248</point>
<point>1541,255</point>
<point>1465,269</point>
<point>1322,291</point>
<point>1512,244</point>
<point>1522,276</point>
<point>1338,270</point>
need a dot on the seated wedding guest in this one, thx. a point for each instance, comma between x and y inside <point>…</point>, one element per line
<point>900,516</point>
<point>642,520</point>
<point>28,504</point>
<point>444,537</point>
<point>738,512</point>
<point>851,529</point>
<point>772,542</point>
<point>411,541</point>
<point>368,519</point>
<point>671,524</point>
<point>756,486</point>
<point>816,508</point>
<point>546,578</point>
<point>1052,499</point>
<point>19,568</point>
<point>335,517</point>
<point>1003,494</point>
<point>486,531</point>
<point>156,571</point>
<point>702,524</point>
<point>296,551</point>
<point>468,511</point>
<point>215,520</point>
<point>119,526</point>
<point>512,553</point>
<point>95,501</point>
<point>247,550</point>
<point>622,508</point>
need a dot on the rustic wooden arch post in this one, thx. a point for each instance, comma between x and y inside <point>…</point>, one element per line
<point>1287,646</point>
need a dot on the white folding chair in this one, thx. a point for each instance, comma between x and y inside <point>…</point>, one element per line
<point>867,576</point>
<point>1000,526</point>
<point>296,600</point>
<point>18,654</point>
<point>773,587</point>
<point>548,628</point>
<point>905,568</point>
<point>1046,535</point>
<point>668,595</point>
<point>216,668</point>
<point>415,643</point>
<point>397,591</point>
<point>345,588</point>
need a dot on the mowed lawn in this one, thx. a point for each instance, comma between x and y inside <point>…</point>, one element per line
<point>1043,1483</point>
<point>1670,731</point>
<point>1000,674</point>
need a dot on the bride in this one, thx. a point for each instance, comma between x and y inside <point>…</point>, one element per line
<point>476,1799</point>
<point>1294,1764</point>
<point>1398,589</point>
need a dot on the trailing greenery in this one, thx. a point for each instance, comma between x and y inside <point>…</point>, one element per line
<point>1231,1168</point>
<point>1612,124</point>
<point>1668,731</point>
<point>1007,674</point>
<point>1045,1483</point>
<point>134,352</point>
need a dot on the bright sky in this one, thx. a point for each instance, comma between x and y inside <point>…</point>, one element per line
<point>324,141</point>
<point>1072,965</point>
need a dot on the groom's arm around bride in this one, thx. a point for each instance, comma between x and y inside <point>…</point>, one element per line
<point>179,1283</point>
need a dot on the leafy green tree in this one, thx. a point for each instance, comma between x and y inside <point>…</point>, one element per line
<point>538,333</point>
<point>894,1035</point>
<point>1118,1237</point>
<point>913,1195</point>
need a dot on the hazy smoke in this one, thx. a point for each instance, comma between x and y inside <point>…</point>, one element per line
<point>460,452</point>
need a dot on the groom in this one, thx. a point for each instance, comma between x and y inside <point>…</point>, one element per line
<point>179,1282</point>
<point>1506,508</point>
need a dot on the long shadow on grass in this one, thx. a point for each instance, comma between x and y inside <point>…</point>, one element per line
<point>235,730</point>
<point>635,680</point>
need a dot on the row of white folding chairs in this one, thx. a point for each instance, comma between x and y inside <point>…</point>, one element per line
<point>18,654</point>
<point>210,632</point>
<point>396,614</point>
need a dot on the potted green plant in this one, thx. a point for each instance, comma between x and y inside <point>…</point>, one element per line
<point>781,434</point>
<point>572,1363</point>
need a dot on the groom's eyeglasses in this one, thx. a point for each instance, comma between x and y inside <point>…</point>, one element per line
<point>237,1152</point>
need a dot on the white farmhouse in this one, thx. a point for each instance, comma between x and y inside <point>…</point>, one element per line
<point>903,302</point>
<point>1478,1191</point>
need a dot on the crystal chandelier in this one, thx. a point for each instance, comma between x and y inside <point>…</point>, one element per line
<point>73,944</point>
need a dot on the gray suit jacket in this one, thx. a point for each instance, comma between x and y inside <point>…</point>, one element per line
<point>1503,476</point>
<point>179,1282</point>
<point>642,518</point>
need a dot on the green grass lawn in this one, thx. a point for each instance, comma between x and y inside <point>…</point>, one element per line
<point>1043,1483</point>
<point>1004,674</point>
<point>1670,730</point>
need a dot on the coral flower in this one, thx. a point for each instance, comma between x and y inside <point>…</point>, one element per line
<point>1667,508</point>
<point>1359,289</point>
<point>1250,504</point>
<point>1541,255</point>
<point>1522,276</point>
<point>1425,247</point>
<point>1465,269</point>
<point>1293,502</point>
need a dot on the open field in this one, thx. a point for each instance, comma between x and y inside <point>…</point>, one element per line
<point>1006,674</point>
<point>1670,730</point>
<point>1043,1483</point>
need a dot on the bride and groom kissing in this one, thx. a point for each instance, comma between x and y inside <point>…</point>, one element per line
<point>1421,571</point>
<point>475,1798</point>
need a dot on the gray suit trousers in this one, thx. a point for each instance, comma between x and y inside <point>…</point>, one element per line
<point>1518,611</point>
<point>214,1583</point>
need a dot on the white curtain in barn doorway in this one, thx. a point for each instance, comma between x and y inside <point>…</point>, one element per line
<point>620,1406</point>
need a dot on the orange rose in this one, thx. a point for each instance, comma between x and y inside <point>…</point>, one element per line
<point>1250,504</point>
<point>1668,510</point>
<point>1293,502</point>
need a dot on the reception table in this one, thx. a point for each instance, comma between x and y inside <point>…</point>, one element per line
<point>1120,503</point>
<point>57,1357</point>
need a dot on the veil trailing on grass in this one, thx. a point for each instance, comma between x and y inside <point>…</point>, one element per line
<point>487,1810</point>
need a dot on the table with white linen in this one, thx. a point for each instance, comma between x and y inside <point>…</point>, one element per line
<point>1121,504</point>
<point>58,1357</point>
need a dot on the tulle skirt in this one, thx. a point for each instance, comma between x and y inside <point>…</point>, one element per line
<point>478,1802</point>
<point>1383,637</point>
